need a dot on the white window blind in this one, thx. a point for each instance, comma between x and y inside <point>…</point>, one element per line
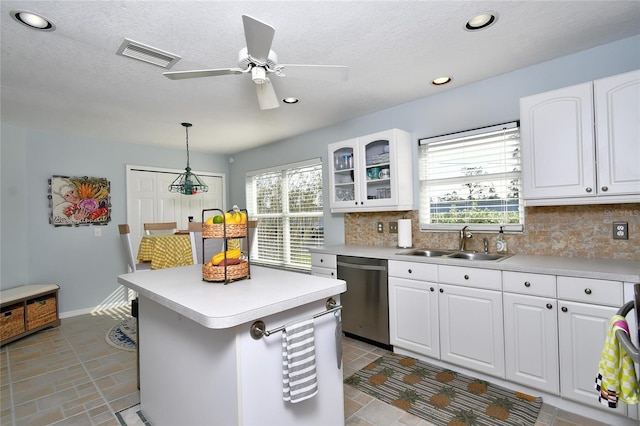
<point>287,203</point>
<point>471,178</point>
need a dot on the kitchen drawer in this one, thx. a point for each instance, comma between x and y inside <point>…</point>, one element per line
<point>324,260</point>
<point>470,277</point>
<point>324,272</point>
<point>531,284</point>
<point>598,292</point>
<point>414,271</point>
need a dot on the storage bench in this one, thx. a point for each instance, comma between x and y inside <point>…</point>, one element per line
<point>27,309</point>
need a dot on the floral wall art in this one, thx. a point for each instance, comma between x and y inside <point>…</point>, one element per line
<point>79,201</point>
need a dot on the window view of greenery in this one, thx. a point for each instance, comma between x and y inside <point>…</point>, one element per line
<point>287,204</point>
<point>471,178</point>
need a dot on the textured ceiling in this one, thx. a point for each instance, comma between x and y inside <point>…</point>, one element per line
<point>71,81</point>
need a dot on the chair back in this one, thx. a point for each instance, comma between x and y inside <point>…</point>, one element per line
<point>211,245</point>
<point>160,227</point>
<point>125,238</point>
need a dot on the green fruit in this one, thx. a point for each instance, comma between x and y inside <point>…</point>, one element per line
<point>218,219</point>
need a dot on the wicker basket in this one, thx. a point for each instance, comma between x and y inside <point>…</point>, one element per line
<point>234,272</point>
<point>234,230</point>
<point>11,321</point>
<point>41,311</point>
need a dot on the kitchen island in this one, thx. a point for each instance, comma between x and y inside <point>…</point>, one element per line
<point>199,364</point>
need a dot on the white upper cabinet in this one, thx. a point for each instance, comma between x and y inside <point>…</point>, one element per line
<point>581,144</point>
<point>372,173</point>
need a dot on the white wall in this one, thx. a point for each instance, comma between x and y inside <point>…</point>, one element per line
<point>35,252</point>
<point>491,101</point>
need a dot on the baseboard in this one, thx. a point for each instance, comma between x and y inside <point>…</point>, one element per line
<point>98,308</point>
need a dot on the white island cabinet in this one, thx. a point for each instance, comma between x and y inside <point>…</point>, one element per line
<point>199,364</point>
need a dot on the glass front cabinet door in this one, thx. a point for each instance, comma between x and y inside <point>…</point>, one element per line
<point>366,174</point>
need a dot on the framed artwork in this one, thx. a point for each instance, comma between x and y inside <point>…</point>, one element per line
<point>75,201</point>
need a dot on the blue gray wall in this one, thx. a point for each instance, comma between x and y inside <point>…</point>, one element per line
<point>32,251</point>
<point>491,101</point>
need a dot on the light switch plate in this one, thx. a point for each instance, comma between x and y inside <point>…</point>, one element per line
<point>393,227</point>
<point>620,230</point>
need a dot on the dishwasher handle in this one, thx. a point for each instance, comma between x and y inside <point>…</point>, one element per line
<point>365,267</point>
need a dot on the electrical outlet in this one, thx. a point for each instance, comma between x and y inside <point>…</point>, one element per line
<point>393,227</point>
<point>97,231</point>
<point>620,230</point>
<point>380,227</point>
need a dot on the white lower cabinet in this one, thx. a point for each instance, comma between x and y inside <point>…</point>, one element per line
<point>531,330</point>
<point>471,332</point>
<point>413,308</point>
<point>583,328</point>
<point>324,265</point>
<point>531,341</point>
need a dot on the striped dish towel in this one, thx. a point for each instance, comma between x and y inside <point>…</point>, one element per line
<point>299,380</point>
<point>616,379</point>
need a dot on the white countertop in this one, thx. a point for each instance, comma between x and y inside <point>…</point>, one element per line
<point>607,269</point>
<point>215,305</point>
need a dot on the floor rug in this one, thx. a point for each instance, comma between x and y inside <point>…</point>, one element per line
<point>443,397</point>
<point>132,417</point>
<point>123,335</point>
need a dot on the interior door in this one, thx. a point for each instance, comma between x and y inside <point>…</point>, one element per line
<point>149,200</point>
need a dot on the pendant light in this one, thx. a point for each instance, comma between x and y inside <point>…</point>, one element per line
<point>188,183</point>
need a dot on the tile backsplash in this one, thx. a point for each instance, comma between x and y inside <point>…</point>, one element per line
<point>570,231</point>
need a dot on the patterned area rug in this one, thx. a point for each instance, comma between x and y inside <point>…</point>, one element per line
<point>443,397</point>
<point>124,335</point>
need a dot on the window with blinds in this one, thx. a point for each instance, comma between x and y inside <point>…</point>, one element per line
<point>471,178</point>
<point>287,203</point>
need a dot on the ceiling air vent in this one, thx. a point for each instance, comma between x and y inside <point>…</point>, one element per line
<point>148,54</point>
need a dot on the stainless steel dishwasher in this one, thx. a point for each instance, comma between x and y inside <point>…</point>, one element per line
<point>365,304</point>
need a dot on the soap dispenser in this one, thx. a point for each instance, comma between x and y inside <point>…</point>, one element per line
<point>501,244</point>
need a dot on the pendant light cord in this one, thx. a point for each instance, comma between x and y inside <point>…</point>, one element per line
<point>186,128</point>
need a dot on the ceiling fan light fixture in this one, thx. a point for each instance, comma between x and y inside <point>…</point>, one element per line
<point>188,183</point>
<point>481,21</point>
<point>259,75</point>
<point>441,81</point>
<point>32,20</point>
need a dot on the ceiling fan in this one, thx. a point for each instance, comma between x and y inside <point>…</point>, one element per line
<point>259,60</point>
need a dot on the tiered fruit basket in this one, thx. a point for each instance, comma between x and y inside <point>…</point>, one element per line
<point>226,269</point>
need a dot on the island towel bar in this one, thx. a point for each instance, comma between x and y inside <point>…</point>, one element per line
<point>258,329</point>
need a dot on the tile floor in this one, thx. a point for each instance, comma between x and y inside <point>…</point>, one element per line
<point>69,375</point>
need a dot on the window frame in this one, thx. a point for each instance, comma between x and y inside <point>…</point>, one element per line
<point>286,215</point>
<point>493,227</point>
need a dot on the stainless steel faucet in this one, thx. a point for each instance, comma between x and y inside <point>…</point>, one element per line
<point>464,236</point>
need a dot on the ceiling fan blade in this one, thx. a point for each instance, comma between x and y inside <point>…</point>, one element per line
<point>267,95</point>
<point>314,72</point>
<point>180,75</point>
<point>259,37</point>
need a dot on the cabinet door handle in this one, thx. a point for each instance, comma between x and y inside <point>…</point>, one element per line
<point>564,309</point>
<point>432,289</point>
<point>321,260</point>
<point>549,306</point>
<point>527,284</point>
<point>589,189</point>
<point>587,290</point>
<point>441,290</point>
<point>409,271</point>
<point>332,274</point>
<point>605,188</point>
<point>466,277</point>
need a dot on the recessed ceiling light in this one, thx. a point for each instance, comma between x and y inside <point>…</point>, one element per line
<point>32,20</point>
<point>481,21</point>
<point>291,100</point>
<point>441,80</point>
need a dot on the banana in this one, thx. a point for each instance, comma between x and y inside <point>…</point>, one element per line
<point>230,254</point>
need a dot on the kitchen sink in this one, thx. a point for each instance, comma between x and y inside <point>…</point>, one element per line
<point>427,252</point>
<point>477,256</point>
<point>454,254</point>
